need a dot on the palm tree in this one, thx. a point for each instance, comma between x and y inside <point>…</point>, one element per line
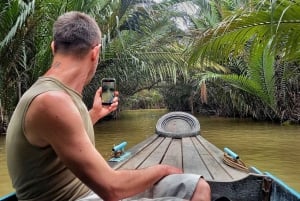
<point>26,32</point>
<point>130,50</point>
<point>15,47</point>
<point>266,38</point>
<point>146,48</point>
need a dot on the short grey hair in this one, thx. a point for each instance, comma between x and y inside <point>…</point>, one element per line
<point>75,33</point>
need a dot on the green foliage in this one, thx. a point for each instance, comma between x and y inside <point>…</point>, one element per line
<point>178,97</point>
<point>16,50</point>
<point>264,38</point>
<point>259,80</point>
<point>245,52</point>
<point>145,99</point>
<point>13,16</point>
<point>231,36</point>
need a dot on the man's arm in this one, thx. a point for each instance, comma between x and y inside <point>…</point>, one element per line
<point>54,115</point>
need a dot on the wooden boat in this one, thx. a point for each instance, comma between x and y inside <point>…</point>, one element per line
<point>177,141</point>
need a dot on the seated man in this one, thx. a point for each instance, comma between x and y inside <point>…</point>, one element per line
<point>50,139</point>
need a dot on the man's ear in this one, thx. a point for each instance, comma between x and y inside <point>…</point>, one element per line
<point>53,47</point>
<point>96,52</point>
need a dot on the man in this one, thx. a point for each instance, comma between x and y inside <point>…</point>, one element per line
<point>50,138</point>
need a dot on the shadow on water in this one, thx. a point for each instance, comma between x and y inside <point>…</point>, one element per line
<point>266,146</point>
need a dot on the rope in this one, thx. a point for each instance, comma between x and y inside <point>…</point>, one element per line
<point>235,163</point>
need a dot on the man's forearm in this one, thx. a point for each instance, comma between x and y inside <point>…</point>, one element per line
<point>132,182</point>
<point>94,116</point>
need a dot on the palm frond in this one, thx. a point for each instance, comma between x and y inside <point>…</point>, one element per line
<point>260,78</point>
<point>233,34</point>
<point>262,70</point>
<point>14,18</point>
<point>239,81</point>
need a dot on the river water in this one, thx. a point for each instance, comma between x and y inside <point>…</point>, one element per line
<point>268,147</point>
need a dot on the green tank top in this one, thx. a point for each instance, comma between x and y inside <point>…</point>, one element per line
<point>37,173</point>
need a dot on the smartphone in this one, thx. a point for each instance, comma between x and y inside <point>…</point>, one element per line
<point>108,90</point>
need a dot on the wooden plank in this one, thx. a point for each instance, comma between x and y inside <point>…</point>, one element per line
<point>174,154</point>
<point>217,154</point>
<point>134,150</point>
<point>142,155</point>
<point>215,169</point>
<point>204,158</point>
<point>157,155</point>
<point>192,162</point>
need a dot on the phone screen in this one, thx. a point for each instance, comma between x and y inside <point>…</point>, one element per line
<point>108,90</point>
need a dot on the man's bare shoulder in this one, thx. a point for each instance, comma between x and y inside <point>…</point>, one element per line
<point>50,98</point>
<point>49,105</point>
<point>49,114</point>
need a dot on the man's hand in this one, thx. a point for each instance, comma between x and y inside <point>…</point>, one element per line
<point>99,111</point>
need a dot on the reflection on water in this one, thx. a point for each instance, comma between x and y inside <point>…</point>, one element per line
<point>268,147</point>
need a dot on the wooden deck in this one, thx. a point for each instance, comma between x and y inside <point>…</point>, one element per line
<point>193,154</point>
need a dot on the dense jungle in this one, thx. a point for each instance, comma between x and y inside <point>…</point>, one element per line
<point>231,58</point>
